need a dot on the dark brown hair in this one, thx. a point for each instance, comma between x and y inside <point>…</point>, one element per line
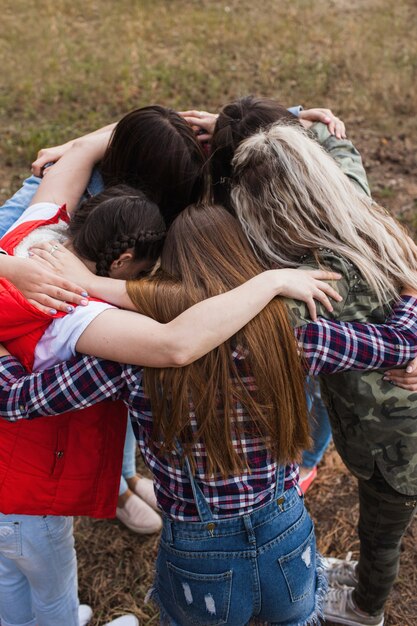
<point>155,150</point>
<point>206,253</point>
<point>237,121</point>
<point>119,218</point>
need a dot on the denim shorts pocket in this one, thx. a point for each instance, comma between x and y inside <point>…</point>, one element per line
<point>299,569</point>
<point>10,539</point>
<point>202,598</point>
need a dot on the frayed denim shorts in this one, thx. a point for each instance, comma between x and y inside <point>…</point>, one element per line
<point>261,566</point>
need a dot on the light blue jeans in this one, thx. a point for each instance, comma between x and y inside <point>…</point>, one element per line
<point>321,431</point>
<point>38,571</point>
<point>13,208</point>
<point>261,565</point>
<point>129,458</point>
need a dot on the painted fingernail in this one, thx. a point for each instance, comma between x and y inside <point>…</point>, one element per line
<point>70,308</point>
<point>85,294</point>
<point>84,302</point>
<point>53,311</point>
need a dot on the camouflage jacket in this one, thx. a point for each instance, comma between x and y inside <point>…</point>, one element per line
<point>344,153</point>
<point>372,420</point>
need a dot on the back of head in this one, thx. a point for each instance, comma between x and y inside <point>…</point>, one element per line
<point>238,121</point>
<point>205,254</point>
<point>292,198</point>
<point>155,150</point>
<point>118,219</point>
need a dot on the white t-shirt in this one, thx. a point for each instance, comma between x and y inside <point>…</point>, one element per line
<point>59,340</point>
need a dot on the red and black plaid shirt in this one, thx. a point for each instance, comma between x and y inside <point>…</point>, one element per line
<point>327,347</point>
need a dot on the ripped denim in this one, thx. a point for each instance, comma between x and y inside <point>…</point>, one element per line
<point>262,566</point>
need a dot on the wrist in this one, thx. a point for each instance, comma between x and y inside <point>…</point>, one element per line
<point>275,281</point>
<point>92,147</point>
<point>93,285</point>
<point>9,267</point>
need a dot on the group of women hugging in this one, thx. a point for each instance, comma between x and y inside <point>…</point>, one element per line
<point>185,272</point>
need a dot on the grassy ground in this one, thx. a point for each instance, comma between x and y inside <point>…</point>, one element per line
<point>69,66</point>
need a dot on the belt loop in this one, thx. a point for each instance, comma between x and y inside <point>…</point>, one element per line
<point>249,528</point>
<point>169,537</point>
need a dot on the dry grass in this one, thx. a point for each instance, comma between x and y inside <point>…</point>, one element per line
<point>69,66</point>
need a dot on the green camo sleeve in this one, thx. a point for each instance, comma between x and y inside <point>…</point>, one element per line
<point>345,154</point>
<point>299,315</point>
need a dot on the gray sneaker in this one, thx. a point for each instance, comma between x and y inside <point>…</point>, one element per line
<point>340,608</point>
<point>341,571</point>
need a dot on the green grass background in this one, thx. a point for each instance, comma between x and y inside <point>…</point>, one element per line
<point>71,65</point>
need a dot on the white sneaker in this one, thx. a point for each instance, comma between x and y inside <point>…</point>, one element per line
<point>341,571</point>
<point>125,620</point>
<point>85,613</point>
<point>340,608</point>
<point>139,516</point>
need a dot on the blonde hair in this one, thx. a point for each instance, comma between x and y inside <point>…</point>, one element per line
<point>292,198</point>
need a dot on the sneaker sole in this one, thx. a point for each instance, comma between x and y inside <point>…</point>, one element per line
<point>347,622</point>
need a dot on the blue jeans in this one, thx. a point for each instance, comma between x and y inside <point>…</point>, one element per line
<point>38,571</point>
<point>129,458</point>
<point>13,208</point>
<point>262,565</point>
<point>321,431</point>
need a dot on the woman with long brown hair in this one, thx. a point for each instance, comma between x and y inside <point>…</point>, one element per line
<point>221,435</point>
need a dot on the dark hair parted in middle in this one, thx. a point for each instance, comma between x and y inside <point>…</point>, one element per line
<point>237,121</point>
<point>117,219</point>
<point>155,150</point>
<point>205,254</point>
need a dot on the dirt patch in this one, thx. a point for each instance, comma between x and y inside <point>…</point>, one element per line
<point>391,163</point>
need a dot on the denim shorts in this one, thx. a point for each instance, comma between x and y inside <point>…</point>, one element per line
<point>261,566</point>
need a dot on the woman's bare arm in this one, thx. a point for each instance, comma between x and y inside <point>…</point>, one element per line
<point>53,154</point>
<point>132,338</point>
<point>67,265</point>
<point>67,180</point>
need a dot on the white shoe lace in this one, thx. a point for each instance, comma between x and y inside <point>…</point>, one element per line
<point>337,598</point>
<point>341,568</point>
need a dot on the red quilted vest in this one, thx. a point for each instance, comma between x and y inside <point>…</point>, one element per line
<point>67,464</point>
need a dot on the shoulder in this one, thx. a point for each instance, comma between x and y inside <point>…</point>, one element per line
<point>351,287</point>
<point>60,338</point>
<point>39,211</point>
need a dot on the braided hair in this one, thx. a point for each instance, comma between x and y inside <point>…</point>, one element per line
<point>118,219</point>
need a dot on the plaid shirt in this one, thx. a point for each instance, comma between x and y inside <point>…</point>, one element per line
<point>327,347</point>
